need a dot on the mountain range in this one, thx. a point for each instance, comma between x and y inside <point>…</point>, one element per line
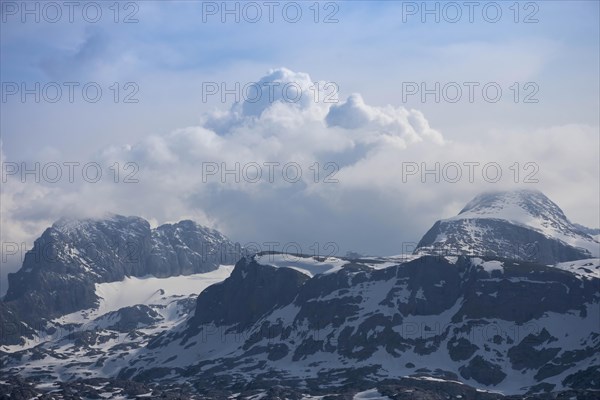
<point>500,301</point>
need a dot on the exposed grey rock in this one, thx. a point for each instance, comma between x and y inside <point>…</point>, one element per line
<point>483,371</point>
<point>528,353</point>
<point>587,379</point>
<point>250,292</point>
<point>461,349</point>
<point>128,319</point>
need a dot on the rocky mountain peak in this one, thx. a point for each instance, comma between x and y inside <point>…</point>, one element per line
<point>520,206</point>
<point>59,274</point>
<point>521,224</point>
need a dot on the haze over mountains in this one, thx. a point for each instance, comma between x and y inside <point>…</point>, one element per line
<point>502,299</point>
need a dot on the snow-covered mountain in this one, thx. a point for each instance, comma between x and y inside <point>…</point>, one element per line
<point>59,274</point>
<point>522,225</point>
<point>469,327</point>
<point>175,318</point>
<point>490,324</point>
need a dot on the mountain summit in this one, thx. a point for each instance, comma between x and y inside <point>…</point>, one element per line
<point>59,275</point>
<point>522,225</point>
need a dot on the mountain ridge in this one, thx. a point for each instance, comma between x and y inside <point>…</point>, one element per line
<point>60,272</point>
<point>476,326</point>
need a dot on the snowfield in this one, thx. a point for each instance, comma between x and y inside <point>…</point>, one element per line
<point>147,290</point>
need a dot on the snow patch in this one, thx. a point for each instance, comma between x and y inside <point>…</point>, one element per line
<point>146,290</point>
<point>372,394</point>
<point>586,269</point>
<point>310,266</point>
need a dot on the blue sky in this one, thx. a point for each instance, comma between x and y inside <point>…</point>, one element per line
<point>370,51</point>
<point>170,52</point>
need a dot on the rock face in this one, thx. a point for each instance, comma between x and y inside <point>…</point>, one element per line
<point>520,225</point>
<point>130,310</point>
<point>59,274</point>
<point>488,323</point>
<point>251,291</point>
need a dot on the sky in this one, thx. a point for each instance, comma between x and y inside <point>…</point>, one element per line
<point>145,108</point>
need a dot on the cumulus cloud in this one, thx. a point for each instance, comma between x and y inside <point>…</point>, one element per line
<point>351,114</point>
<point>410,125</point>
<point>277,130</point>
